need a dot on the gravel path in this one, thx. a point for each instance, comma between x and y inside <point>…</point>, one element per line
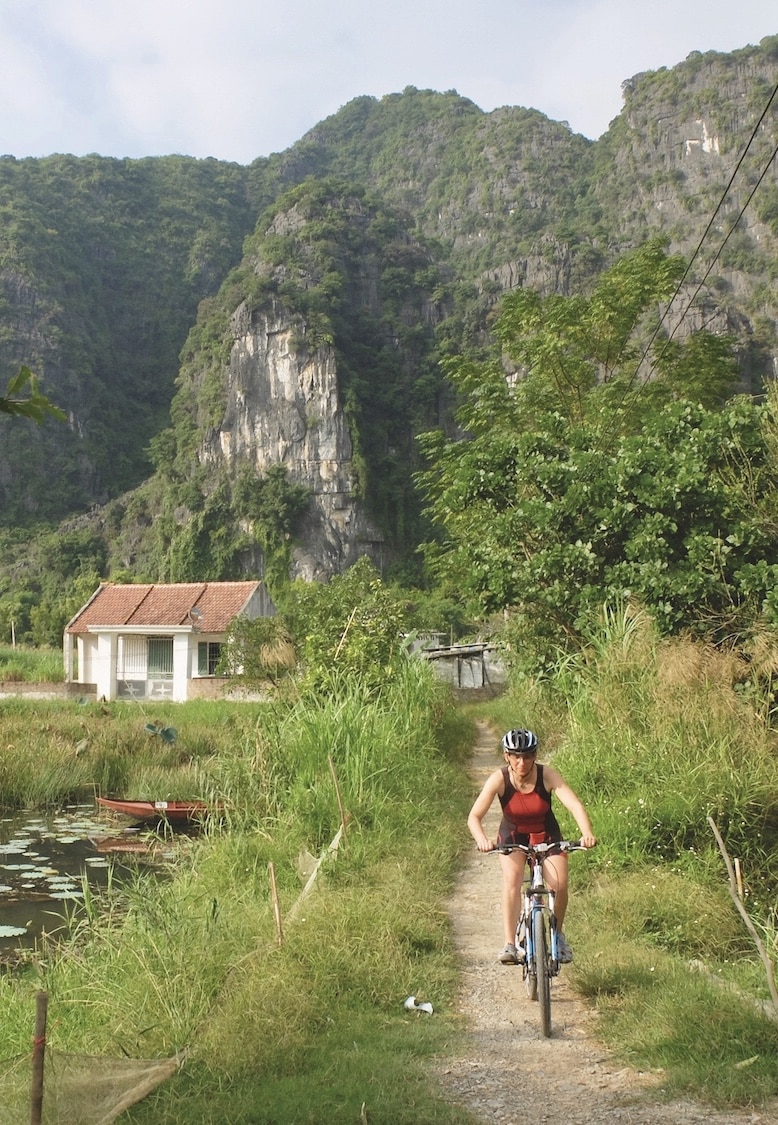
<point>570,1079</point>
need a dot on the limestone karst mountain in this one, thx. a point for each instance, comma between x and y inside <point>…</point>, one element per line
<point>245,354</point>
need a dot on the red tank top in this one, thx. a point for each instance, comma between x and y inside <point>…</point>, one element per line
<point>527,814</point>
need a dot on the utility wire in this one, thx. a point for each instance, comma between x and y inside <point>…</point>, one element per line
<point>720,204</point>
<point>698,249</point>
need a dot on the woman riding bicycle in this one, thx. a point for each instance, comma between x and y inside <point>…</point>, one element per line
<point>524,787</point>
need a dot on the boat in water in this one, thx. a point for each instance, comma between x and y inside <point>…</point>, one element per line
<point>175,811</point>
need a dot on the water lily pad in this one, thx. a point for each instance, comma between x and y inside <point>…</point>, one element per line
<point>12,931</point>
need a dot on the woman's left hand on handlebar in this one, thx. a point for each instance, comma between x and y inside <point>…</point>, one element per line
<point>588,841</point>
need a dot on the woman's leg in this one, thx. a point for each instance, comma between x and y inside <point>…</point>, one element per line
<point>512,864</point>
<point>555,874</point>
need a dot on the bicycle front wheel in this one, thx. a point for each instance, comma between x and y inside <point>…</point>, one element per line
<point>540,942</point>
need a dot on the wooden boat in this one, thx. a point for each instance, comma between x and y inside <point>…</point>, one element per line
<point>177,811</point>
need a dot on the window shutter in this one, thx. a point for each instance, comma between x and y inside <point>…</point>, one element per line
<point>160,657</point>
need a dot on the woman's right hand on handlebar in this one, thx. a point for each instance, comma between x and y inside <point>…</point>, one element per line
<point>484,844</point>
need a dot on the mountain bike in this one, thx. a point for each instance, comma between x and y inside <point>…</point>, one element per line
<point>537,930</point>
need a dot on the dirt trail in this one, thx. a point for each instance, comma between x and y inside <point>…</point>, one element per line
<point>570,1079</point>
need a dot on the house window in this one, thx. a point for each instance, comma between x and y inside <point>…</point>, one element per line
<point>132,659</point>
<point>160,658</point>
<point>208,653</point>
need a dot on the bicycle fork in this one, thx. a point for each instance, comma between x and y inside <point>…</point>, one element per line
<point>534,898</point>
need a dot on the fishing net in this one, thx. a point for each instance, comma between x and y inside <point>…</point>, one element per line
<point>80,1089</point>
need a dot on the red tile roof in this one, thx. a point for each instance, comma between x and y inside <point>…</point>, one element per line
<point>165,605</point>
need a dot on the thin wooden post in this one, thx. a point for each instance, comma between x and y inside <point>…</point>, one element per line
<point>739,879</point>
<point>341,810</point>
<point>733,894</point>
<point>38,1057</point>
<point>352,615</point>
<point>276,903</point>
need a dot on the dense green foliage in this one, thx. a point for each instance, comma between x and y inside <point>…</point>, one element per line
<point>389,232</point>
<point>584,483</point>
<point>102,265</point>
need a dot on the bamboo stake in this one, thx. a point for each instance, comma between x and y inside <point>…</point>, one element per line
<point>345,632</point>
<point>38,1058</point>
<point>276,903</point>
<point>739,878</point>
<point>733,891</point>
<point>343,816</point>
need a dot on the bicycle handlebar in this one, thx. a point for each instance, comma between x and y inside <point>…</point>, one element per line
<point>555,847</point>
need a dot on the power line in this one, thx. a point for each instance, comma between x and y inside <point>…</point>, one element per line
<point>698,249</point>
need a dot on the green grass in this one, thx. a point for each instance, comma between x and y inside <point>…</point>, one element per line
<point>314,1029</point>
<point>362,1066</point>
<point>22,664</point>
<point>652,735</point>
<point>672,979</point>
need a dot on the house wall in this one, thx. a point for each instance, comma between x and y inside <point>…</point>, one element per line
<point>181,665</point>
<point>101,663</point>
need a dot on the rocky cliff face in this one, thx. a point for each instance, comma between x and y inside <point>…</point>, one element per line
<point>329,376</point>
<point>694,146</point>
<point>284,408</point>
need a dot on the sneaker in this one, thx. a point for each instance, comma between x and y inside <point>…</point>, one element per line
<point>564,950</point>
<point>508,955</point>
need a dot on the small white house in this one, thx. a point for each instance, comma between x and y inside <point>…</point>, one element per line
<point>157,641</point>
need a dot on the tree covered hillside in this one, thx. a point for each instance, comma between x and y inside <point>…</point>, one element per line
<point>389,233</point>
<point>102,265</point>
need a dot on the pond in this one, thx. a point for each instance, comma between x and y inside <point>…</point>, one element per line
<point>45,859</point>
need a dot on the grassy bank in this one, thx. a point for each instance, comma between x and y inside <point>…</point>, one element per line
<point>657,737</point>
<point>314,1028</point>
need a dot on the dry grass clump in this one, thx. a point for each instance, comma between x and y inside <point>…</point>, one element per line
<point>683,664</point>
<point>763,651</point>
<point>689,670</point>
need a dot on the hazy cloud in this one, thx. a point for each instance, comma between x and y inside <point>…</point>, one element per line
<point>237,79</point>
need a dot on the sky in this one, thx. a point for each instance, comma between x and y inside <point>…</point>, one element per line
<point>239,79</point>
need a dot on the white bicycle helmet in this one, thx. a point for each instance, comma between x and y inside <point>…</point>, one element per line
<point>520,742</point>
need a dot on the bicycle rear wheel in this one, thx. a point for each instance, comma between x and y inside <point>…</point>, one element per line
<point>542,977</point>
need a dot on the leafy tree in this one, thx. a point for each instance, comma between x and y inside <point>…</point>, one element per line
<point>32,404</point>
<point>558,501</point>
<point>273,501</point>
<point>258,651</point>
<point>351,628</point>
